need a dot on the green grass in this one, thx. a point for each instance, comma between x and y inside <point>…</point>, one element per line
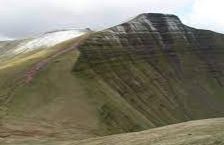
<point>74,104</point>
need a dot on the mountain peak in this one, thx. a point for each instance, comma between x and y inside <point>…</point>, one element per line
<point>158,21</point>
<point>158,15</point>
<point>151,22</point>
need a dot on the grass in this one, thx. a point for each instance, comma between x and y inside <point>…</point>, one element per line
<point>201,132</point>
<point>60,100</point>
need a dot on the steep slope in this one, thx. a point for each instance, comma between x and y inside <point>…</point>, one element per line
<point>166,71</point>
<point>149,72</point>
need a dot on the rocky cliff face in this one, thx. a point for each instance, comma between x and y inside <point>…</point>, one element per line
<point>167,71</point>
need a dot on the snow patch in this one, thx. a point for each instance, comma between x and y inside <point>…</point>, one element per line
<point>48,40</point>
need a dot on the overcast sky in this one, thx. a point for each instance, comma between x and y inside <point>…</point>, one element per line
<point>22,18</point>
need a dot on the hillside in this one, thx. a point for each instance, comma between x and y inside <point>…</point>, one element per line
<point>149,72</point>
<point>204,132</point>
<point>166,71</point>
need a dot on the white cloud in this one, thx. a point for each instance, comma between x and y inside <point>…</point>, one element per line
<point>207,14</point>
<point>25,17</point>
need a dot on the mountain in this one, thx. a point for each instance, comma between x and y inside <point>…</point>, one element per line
<point>149,72</point>
<point>166,71</point>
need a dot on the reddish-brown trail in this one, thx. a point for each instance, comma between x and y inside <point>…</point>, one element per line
<point>28,75</point>
<point>33,71</point>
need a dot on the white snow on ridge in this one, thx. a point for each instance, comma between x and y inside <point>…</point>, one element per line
<point>48,40</point>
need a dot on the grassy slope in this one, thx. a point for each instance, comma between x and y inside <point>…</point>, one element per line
<point>61,104</point>
<point>56,98</point>
<point>48,98</point>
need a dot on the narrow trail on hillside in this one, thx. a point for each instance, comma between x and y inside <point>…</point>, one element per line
<point>33,71</point>
<point>26,77</point>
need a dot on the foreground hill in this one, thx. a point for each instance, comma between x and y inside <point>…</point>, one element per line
<point>202,132</point>
<point>149,72</point>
